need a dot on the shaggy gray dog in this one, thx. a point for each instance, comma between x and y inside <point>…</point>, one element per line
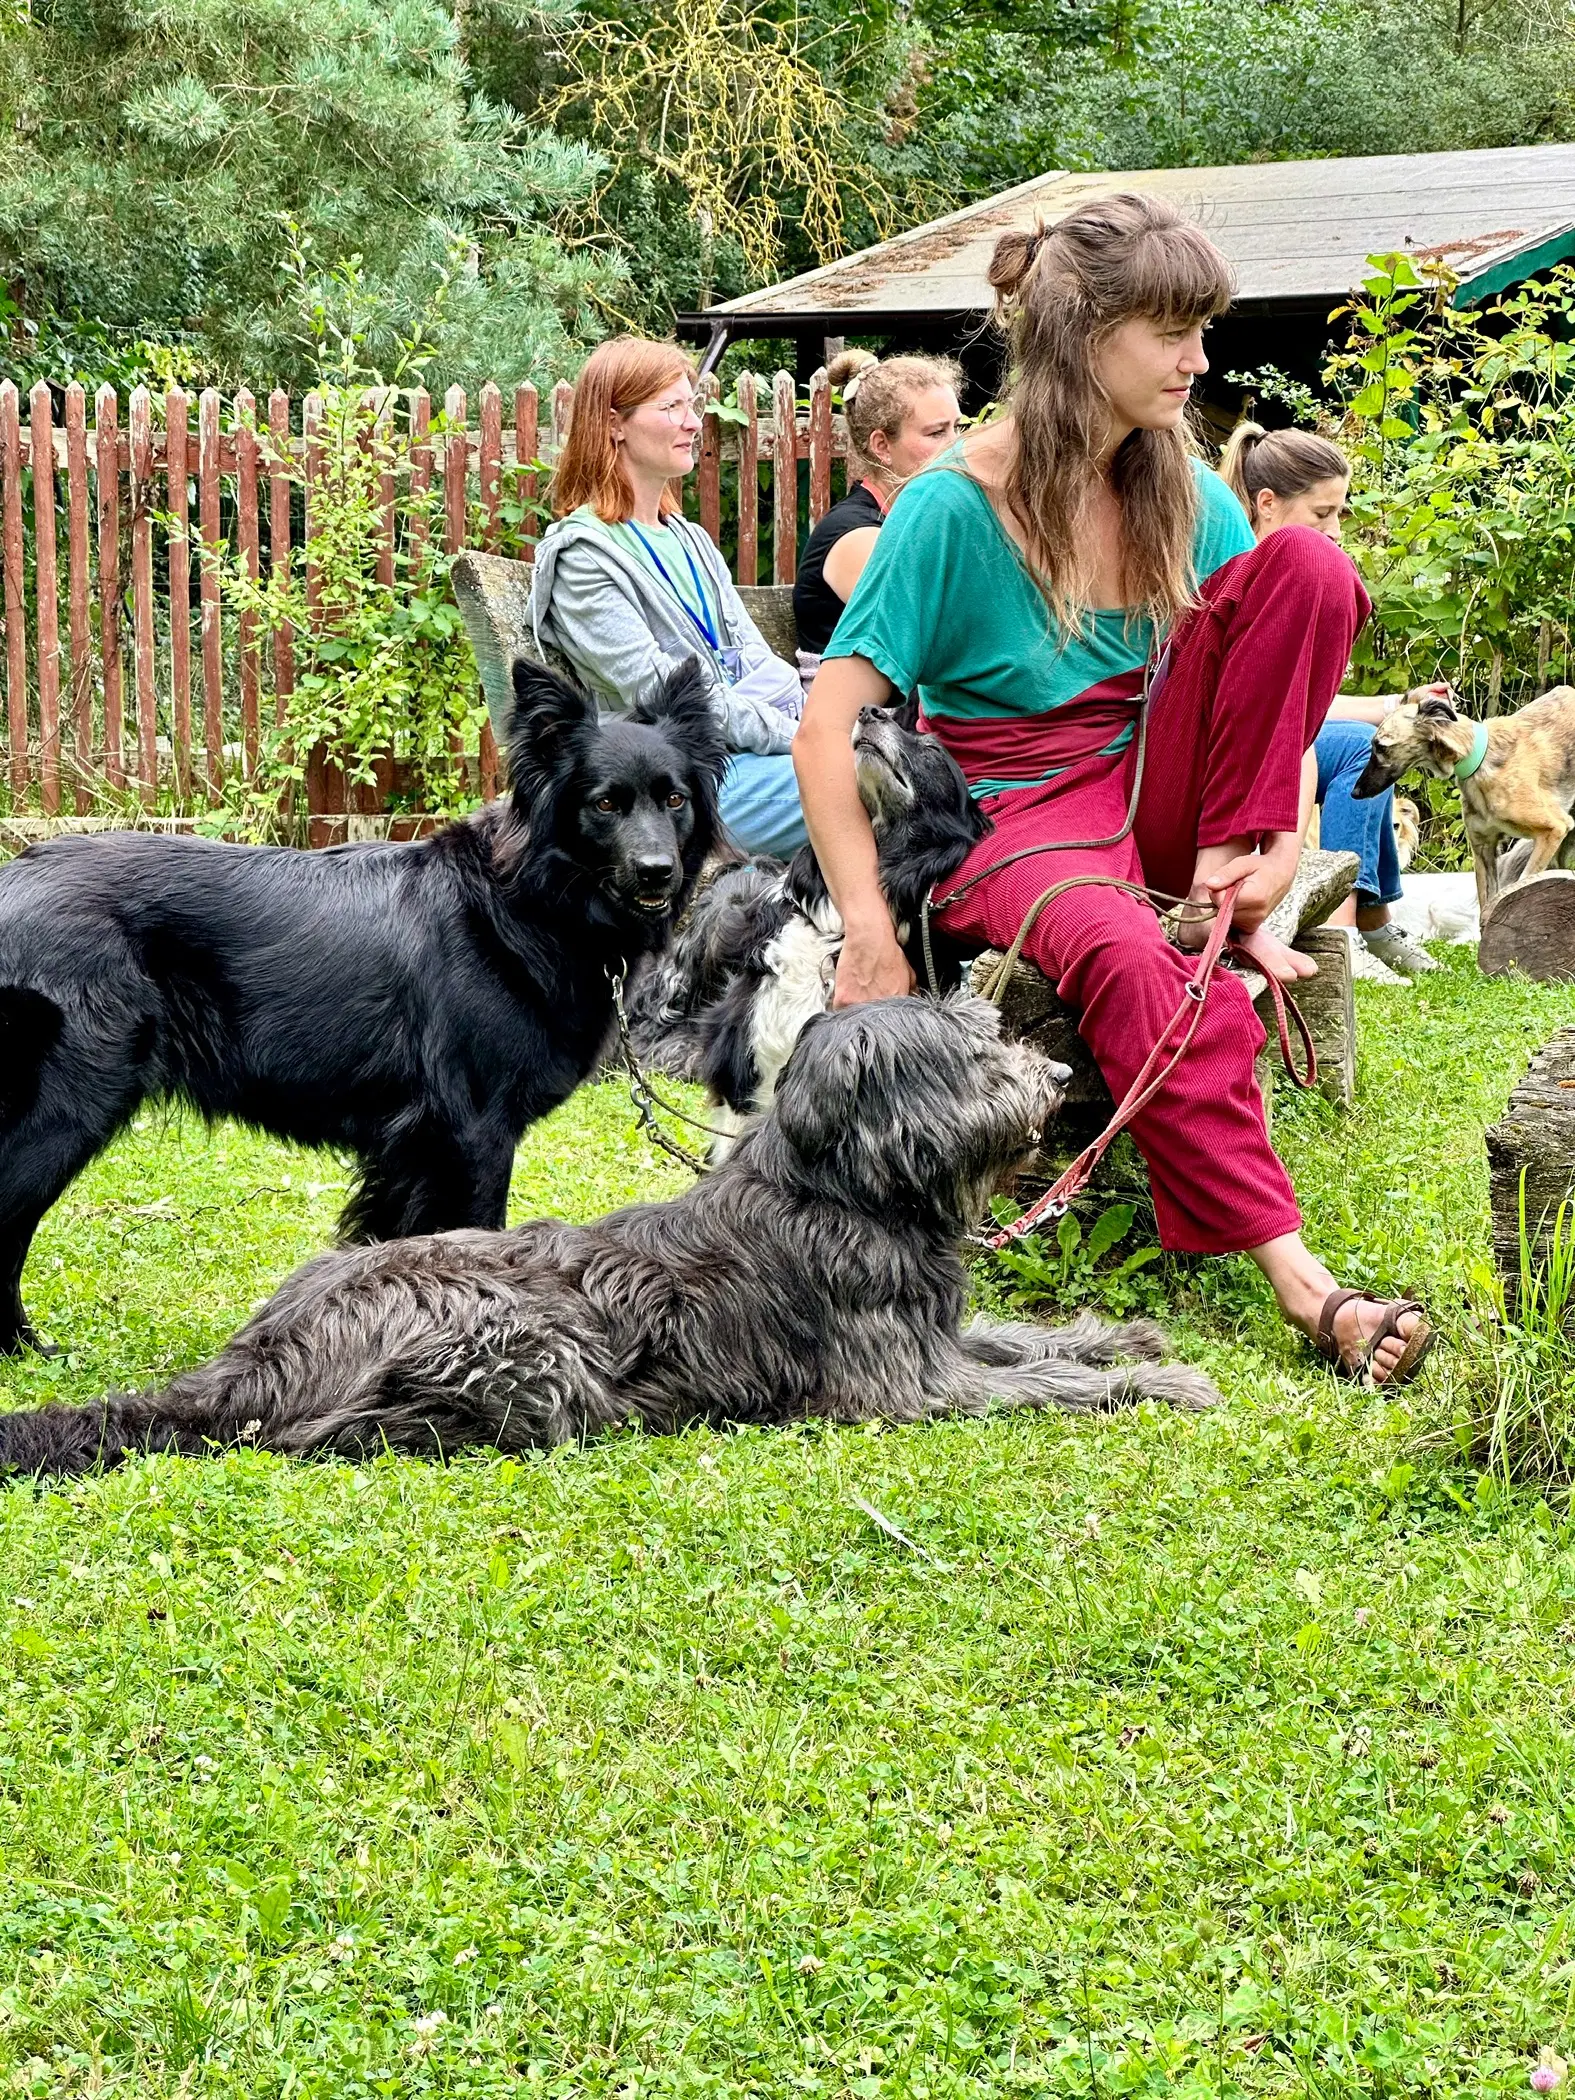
<point>817,1273</point>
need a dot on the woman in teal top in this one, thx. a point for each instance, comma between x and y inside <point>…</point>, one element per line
<point>1021,585</point>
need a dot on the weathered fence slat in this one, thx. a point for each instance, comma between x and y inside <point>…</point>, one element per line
<point>312,448</point>
<point>382,438</point>
<point>142,593</point>
<point>279,541</point>
<point>106,457</point>
<point>490,476</point>
<point>177,472</point>
<point>420,469</point>
<point>42,441</point>
<point>455,461</point>
<point>79,632</point>
<point>819,448</point>
<point>709,467</point>
<point>784,479</point>
<point>208,586</point>
<point>249,549</point>
<point>15,599</point>
<point>748,481</point>
<point>125,690</point>
<point>525,445</point>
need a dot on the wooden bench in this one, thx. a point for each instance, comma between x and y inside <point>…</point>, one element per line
<point>493,595</point>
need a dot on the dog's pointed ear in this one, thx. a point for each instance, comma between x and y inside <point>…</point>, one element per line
<point>1436,705</point>
<point>547,715</point>
<point>682,705</point>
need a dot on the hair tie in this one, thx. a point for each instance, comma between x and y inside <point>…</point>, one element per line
<point>852,385</point>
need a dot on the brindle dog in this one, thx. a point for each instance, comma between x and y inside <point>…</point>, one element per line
<point>1523,786</point>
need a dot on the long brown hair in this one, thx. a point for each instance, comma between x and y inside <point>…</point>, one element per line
<point>1060,293</point>
<point>1286,462</point>
<point>618,374</point>
<point>877,393</point>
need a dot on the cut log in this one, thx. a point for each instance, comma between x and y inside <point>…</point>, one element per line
<point>493,596</point>
<point>1536,1140</point>
<point>1532,929</point>
<point>1328,1006</point>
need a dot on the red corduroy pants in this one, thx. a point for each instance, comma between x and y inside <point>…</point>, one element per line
<point>1251,674</point>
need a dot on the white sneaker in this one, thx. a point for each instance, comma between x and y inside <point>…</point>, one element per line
<point>1397,953</point>
<point>1367,966</point>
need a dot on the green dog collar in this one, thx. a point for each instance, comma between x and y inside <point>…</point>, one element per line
<point>1467,766</point>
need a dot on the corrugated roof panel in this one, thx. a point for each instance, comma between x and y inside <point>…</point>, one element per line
<point>1294,230</point>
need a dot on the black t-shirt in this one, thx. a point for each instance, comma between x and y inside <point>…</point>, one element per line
<point>816,606</point>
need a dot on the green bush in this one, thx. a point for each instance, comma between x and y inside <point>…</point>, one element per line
<point>1460,427</point>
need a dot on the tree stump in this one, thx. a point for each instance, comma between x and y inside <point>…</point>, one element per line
<point>1532,928</point>
<point>1536,1140</point>
<point>1328,1006</point>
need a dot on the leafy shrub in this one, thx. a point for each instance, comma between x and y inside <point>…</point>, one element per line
<point>385,683</point>
<point>1460,427</point>
<point>1068,1273</point>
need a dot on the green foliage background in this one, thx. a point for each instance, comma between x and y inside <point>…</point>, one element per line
<point>154,147</point>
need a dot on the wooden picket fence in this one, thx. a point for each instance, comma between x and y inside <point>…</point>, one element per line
<point>127,682</point>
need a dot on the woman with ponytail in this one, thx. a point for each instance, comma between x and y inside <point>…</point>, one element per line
<point>1293,477</point>
<point>1023,583</point>
<point>900,413</point>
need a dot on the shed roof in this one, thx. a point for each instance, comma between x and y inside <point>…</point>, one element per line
<point>1297,232</point>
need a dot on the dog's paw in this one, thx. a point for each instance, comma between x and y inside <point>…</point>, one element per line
<point>1181,1386</point>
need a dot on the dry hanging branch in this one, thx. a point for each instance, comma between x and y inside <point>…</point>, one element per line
<point>728,104</point>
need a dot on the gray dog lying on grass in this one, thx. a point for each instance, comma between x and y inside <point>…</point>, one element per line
<point>816,1274</point>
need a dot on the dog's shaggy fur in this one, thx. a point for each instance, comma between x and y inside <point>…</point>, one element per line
<point>759,955</point>
<point>1523,790</point>
<point>816,1273</point>
<point>418,1005</point>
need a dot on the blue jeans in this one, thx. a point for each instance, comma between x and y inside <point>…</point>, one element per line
<point>760,803</point>
<point>1366,829</point>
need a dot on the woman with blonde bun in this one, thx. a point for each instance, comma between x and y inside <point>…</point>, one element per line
<point>1022,583</point>
<point>900,413</point>
<point>1295,477</point>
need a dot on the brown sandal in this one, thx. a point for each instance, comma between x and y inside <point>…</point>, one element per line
<point>1421,1339</point>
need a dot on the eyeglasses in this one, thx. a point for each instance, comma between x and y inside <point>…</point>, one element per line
<point>675,411</point>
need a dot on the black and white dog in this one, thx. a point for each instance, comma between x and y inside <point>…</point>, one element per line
<point>418,1005</point>
<point>817,1273</point>
<point>758,954</point>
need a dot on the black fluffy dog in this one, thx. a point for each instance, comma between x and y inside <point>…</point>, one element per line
<point>418,1005</point>
<point>757,956</point>
<point>816,1273</point>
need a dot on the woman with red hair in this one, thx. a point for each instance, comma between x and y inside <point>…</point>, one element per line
<point>627,589</point>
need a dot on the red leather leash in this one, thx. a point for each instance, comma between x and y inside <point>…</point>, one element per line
<point>1157,1068</point>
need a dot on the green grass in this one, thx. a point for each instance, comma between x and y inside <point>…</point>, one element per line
<point>1195,1756</point>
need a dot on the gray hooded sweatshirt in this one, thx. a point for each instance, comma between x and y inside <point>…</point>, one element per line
<point>625,632</point>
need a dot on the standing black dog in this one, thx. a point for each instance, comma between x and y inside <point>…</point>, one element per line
<point>418,1005</point>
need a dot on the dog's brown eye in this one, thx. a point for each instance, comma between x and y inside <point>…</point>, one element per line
<point>675,800</point>
<point>606,805</point>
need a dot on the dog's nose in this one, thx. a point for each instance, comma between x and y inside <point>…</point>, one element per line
<point>1059,1074</point>
<point>654,873</point>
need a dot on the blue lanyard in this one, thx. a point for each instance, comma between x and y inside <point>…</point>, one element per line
<point>701,621</point>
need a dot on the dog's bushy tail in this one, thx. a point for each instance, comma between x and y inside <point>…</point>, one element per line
<point>194,1416</point>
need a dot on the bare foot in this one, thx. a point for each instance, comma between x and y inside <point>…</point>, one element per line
<point>1273,958</point>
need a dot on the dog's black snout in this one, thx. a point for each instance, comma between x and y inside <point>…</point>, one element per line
<point>655,871</point>
<point>1059,1074</point>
